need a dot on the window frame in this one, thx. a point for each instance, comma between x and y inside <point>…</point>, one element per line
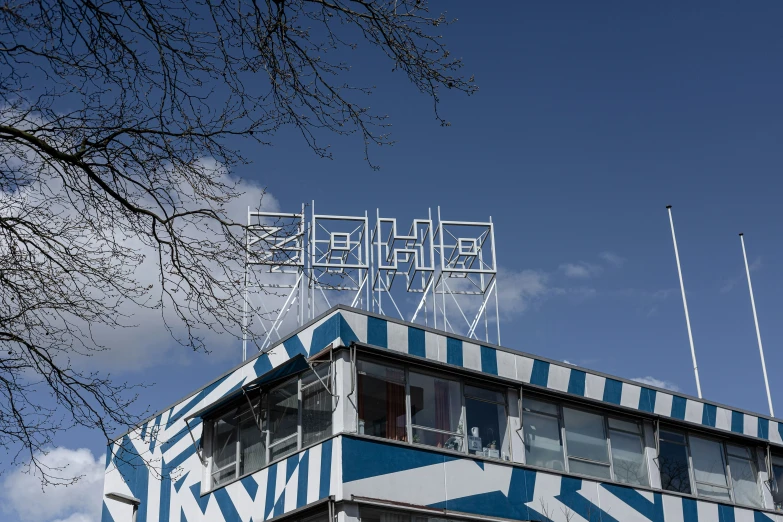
<point>240,404</point>
<point>724,442</point>
<point>605,414</point>
<point>463,381</point>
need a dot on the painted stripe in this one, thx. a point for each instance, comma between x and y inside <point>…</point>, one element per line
<point>709,415</point>
<point>326,468</point>
<point>678,407</point>
<point>377,332</point>
<point>489,360</point>
<point>576,382</point>
<point>594,387</point>
<point>397,336</point>
<point>613,391</point>
<point>454,351</point>
<point>540,374</point>
<point>471,356</point>
<point>416,344</point>
<point>763,428</point>
<point>737,421</point>
<point>558,377</point>
<point>647,400</point>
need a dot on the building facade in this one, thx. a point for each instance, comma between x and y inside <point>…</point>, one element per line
<point>358,417</point>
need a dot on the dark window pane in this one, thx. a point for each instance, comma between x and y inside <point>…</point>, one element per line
<point>381,398</point>
<point>251,443</point>
<point>483,393</point>
<point>673,464</point>
<point>282,448</point>
<point>672,436</point>
<point>777,485</point>
<point>529,404</point>
<point>486,423</point>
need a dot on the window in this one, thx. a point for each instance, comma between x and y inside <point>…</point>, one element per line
<point>316,405</point>
<point>586,442</point>
<point>543,445</point>
<point>709,469</point>
<point>237,445</point>
<point>718,470</point>
<point>381,391</point>
<point>627,442</point>
<point>368,514</point>
<point>776,485</point>
<point>579,441</point>
<point>423,408</point>
<point>245,439</point>
<point>436,411</point>
<point>673,462</point>
<point>744,478</point>
<point>487,421</point>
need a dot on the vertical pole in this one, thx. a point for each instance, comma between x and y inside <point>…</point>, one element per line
<point>685,303</point>
<point>245,294</point>
<point>312,260</point>
<point>756,321</point>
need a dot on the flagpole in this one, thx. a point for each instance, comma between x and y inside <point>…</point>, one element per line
<point>685,303</point>
<point>756,321</point>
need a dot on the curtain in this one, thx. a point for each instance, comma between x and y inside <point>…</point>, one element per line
<point>442,411</point>
<point>395,411</point>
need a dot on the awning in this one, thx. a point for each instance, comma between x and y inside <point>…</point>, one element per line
<point>292,366</point>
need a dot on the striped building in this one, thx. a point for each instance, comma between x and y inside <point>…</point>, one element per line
<point>356,416</point>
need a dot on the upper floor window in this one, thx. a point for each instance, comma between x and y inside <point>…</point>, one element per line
<point>269,426</point>
<point>707,467</point>
<point>432,409</point>
<point>776,484</point>
<point>585,442</point>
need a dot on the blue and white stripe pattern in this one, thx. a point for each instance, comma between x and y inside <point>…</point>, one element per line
<point>396,473</point>
<point>529,369</point>
<point>162,446</point>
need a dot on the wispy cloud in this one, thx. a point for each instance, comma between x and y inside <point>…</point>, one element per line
<point>580,270</point>
<point>658,383</point>
<point>729,284</point>
<point>519,290</point>
<point>612,259</point>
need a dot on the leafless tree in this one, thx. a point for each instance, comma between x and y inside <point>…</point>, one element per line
<point>118,119</point>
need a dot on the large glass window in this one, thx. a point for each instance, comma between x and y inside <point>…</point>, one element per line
<point>709,468</point>
<point>688,458</point>
<point>776,484</point>
<point>316,405</point>
<point>744,478</point>
<point>237,445</point>
<point>586,442</point>
<point>627,442</point>
<point>487,421</point>
<point>578,441</point>
<point>283,419</point>
<point>381,400</point>
<point>543,445</point>
<point>673,462</point>
<point>436,411</point>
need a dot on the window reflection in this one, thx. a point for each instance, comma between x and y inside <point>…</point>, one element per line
<point>486,419</point>
<point>436,407</point>
<point>673,462</point>
<point>381,400</point>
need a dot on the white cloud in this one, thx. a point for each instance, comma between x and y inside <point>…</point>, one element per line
<point>612,259</point>
<point>658,383</point>
<point>729,284</point>
<point>25,500</point>
<point>581,270</point>
<point>518,290</point>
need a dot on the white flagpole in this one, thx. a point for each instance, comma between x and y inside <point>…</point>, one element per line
<point>756,321</point>
<point>685,303</point>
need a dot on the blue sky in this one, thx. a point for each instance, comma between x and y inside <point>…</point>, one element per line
<point>589,120</point>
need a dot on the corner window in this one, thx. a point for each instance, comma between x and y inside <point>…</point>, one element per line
<point>246,438</point>
<point>237,444</point>
<point>579,441</point>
